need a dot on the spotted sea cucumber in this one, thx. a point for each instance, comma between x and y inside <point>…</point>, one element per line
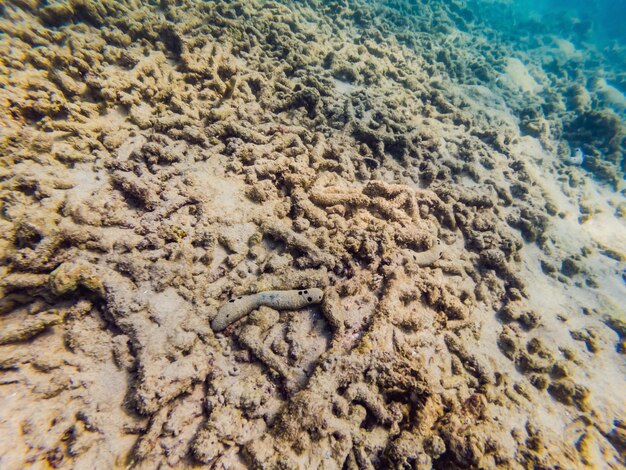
<point>239,307</point>
<point>428,257</point>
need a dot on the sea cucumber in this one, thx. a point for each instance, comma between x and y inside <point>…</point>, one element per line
<point>239,307</point>
<point>428,257</point>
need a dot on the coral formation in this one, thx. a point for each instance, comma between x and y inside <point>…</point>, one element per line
<point>162,158</point>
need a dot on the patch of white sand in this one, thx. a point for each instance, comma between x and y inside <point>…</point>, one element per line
<point>344,88</point>
<point>602,230</point>
<point>517,76</point>
<point>565,50</point>
<point>611,96</point>
<point>562,306</point>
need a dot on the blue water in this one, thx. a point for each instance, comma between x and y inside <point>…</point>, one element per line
<point>600,22</point>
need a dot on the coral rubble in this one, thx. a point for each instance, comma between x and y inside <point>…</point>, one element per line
<point>163,158</point>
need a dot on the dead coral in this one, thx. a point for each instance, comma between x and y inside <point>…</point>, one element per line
<point>181,155</point>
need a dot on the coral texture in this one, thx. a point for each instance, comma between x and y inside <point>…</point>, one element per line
<point>364,169</point>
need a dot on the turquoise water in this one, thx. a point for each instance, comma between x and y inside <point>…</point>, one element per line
<point>599,21</point>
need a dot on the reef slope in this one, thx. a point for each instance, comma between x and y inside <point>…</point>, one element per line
<point>160,159</point>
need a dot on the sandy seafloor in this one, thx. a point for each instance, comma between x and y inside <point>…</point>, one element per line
<point>160,158</point>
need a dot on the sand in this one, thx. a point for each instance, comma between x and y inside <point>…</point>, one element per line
<point>162,159</point>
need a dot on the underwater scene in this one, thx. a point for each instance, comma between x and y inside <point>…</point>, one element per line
<point>312,234</point>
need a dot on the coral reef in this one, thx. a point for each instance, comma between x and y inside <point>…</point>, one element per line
<point>164,160</point>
